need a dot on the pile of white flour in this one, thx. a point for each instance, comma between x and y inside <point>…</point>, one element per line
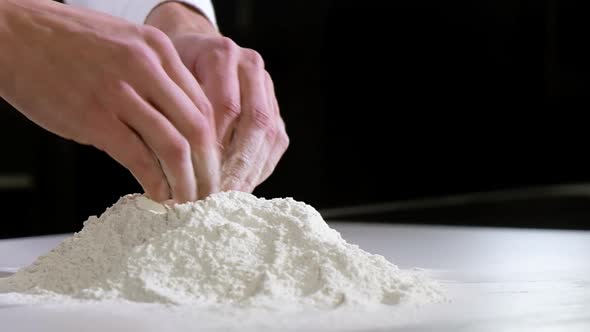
<point>231,248</point>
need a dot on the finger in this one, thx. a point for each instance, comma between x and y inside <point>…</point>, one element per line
<point>221,85</point>
<point>270,139</point>
<point>242,158</point>
<point>128,149</point>
<point>256,121</point>
<point>175,105</point>
<point>278,150</point>
<point>180,98</point>
<point>268,148</point>
<point>251,180</point>
<point>187,82</point>
<point>168,144</point>
<point>280,142</point>
<point>176,70</point>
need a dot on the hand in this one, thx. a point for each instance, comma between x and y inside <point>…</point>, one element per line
<point>120,87</point>
<point>246,113</point>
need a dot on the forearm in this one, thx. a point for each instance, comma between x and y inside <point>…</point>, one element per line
<point>174,18</point>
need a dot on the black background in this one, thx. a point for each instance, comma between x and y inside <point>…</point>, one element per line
<point>384,102</point>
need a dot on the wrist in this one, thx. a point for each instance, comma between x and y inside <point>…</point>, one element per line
<point>175,18</point>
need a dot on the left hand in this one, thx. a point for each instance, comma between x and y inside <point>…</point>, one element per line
<point>246,113</point>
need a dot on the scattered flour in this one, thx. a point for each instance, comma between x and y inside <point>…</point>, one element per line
<point>229,249</point>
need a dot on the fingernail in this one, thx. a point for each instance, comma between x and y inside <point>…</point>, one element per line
<point>169,202</point>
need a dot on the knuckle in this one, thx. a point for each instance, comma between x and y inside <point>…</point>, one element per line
<point>231,182</point>
<point>156,38</point>
<point>253,58</point>
<point>226,44</point>
<point>138,55</point>
<point>133,50</point>
<point>197,132</point>
<point>241,163</point>
<point>237,167</point>
<point>262,119</point>
<point>284,141</point>
<point>231,108</point>
<point>177,150</point>
<point>206,109</point>
<point>223,48</point>
<point>272,132</point>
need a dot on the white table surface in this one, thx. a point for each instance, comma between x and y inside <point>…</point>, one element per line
<point>498,280</point>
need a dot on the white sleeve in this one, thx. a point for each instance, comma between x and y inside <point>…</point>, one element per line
<point>137,11</point>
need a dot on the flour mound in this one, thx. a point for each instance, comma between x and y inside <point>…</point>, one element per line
<point>231,248</point>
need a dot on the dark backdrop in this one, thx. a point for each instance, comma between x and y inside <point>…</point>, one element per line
<point>384,101</point>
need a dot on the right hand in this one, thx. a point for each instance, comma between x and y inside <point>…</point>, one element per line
<point>120,87</point>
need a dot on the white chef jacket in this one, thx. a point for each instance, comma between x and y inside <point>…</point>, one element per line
<point>137,11</point>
